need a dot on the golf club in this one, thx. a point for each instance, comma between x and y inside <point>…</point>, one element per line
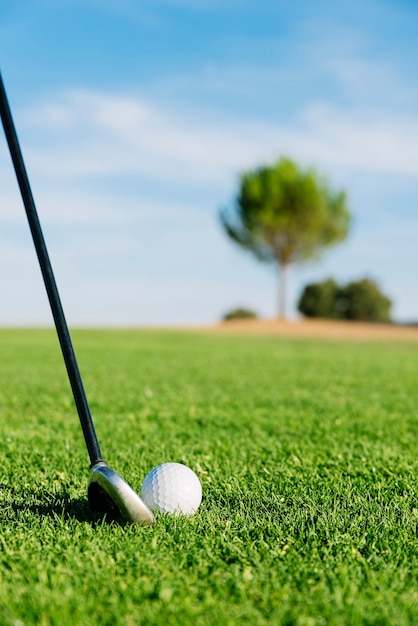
<point>107,491</point>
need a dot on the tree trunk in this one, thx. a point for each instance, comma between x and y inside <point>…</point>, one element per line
<point>282,290</point>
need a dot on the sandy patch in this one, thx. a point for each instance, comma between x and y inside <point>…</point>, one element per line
<point>318,328</point>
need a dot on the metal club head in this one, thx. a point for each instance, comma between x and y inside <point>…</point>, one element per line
<point>109,493</point>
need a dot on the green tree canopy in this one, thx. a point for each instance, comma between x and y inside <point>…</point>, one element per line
<point>284,214</point>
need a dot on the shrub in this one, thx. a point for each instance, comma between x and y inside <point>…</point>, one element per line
<point>319,299</point>
<point>239,314</point>
<point>359,300</point>
<point>363,300</point>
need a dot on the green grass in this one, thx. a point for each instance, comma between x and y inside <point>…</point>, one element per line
<point>307,452</point>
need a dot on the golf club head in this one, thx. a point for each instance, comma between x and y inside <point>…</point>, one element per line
<point>109,493</point>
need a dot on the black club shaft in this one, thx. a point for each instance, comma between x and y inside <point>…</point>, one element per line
<point>49,280</point>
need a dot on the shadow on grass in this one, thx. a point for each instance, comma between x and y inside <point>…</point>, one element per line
<point>17,504</point>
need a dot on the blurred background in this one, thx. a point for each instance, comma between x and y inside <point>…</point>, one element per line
<point>137,118</point>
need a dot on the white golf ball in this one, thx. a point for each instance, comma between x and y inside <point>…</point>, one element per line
<point>172,488</point>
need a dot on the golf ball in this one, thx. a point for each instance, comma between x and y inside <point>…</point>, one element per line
<point>172,488</point>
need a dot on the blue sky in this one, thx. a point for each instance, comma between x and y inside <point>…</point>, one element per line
<point>136,118</point>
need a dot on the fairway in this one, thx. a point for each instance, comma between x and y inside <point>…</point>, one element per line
<point>306,450</point>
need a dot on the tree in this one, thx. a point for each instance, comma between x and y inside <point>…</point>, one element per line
<point>360,300</point>
<point>283,214</point>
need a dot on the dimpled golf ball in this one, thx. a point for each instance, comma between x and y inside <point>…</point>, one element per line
<point>172,488</point>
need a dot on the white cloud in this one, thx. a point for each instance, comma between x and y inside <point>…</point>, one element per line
<point>111,135</point>
<point>124,136</point>
<point>364,139</point>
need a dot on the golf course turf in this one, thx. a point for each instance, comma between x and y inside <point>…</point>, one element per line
<point>307,454</point>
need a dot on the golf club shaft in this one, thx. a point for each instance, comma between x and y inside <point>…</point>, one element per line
<point>49,280</point>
